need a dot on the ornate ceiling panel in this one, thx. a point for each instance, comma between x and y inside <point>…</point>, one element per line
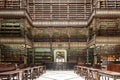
<point>62,34</point>
<point>40,33</point>
<point>78,32</point>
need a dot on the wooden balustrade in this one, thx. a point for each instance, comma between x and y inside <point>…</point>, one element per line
<point>21,66</point>
<point>96,73</point>
<point>21,73</point>
<point>7,67</point>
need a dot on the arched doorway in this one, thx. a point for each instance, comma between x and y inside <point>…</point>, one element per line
<point>60,55</point>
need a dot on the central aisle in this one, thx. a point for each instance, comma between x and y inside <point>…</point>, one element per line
<point>60,75</point>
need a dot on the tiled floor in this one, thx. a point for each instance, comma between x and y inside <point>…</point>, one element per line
<point>60,75</point>
<point>63,75</point>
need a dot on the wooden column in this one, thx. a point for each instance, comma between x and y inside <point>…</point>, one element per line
<point>23,22</point>
<point>94,29</point>
<point>95,55</point>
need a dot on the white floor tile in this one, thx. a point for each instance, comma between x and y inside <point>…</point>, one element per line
<point>60,75</point>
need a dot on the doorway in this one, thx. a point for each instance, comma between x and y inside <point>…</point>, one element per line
<point>60,55</point>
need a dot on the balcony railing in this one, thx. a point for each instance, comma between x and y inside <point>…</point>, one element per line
<point>12,4</point>
<point>107,4</point>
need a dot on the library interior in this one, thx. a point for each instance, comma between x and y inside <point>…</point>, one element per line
<point>82,36</point>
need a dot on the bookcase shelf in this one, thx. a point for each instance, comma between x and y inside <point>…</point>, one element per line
<point>42,57</point>
<point>9,29</point>
<point>10,56</point>
<point>10,4</point>
<point>108,28</point>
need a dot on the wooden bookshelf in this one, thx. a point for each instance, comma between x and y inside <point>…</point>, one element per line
<point>91,55</point>
<point>10,4</point>
<point>77,55</point>
<point>110,4</point>
<point>109,52</point>
<point>42,57</point>
<point>30,55</point>
<point>108,28</point>
<point>10,56</point>
<point>10,29</point>
<point>2,2</point>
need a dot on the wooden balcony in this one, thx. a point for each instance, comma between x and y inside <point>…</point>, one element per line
<point>12,40</point>
<point>60,23</point>
<point>108,40</point>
